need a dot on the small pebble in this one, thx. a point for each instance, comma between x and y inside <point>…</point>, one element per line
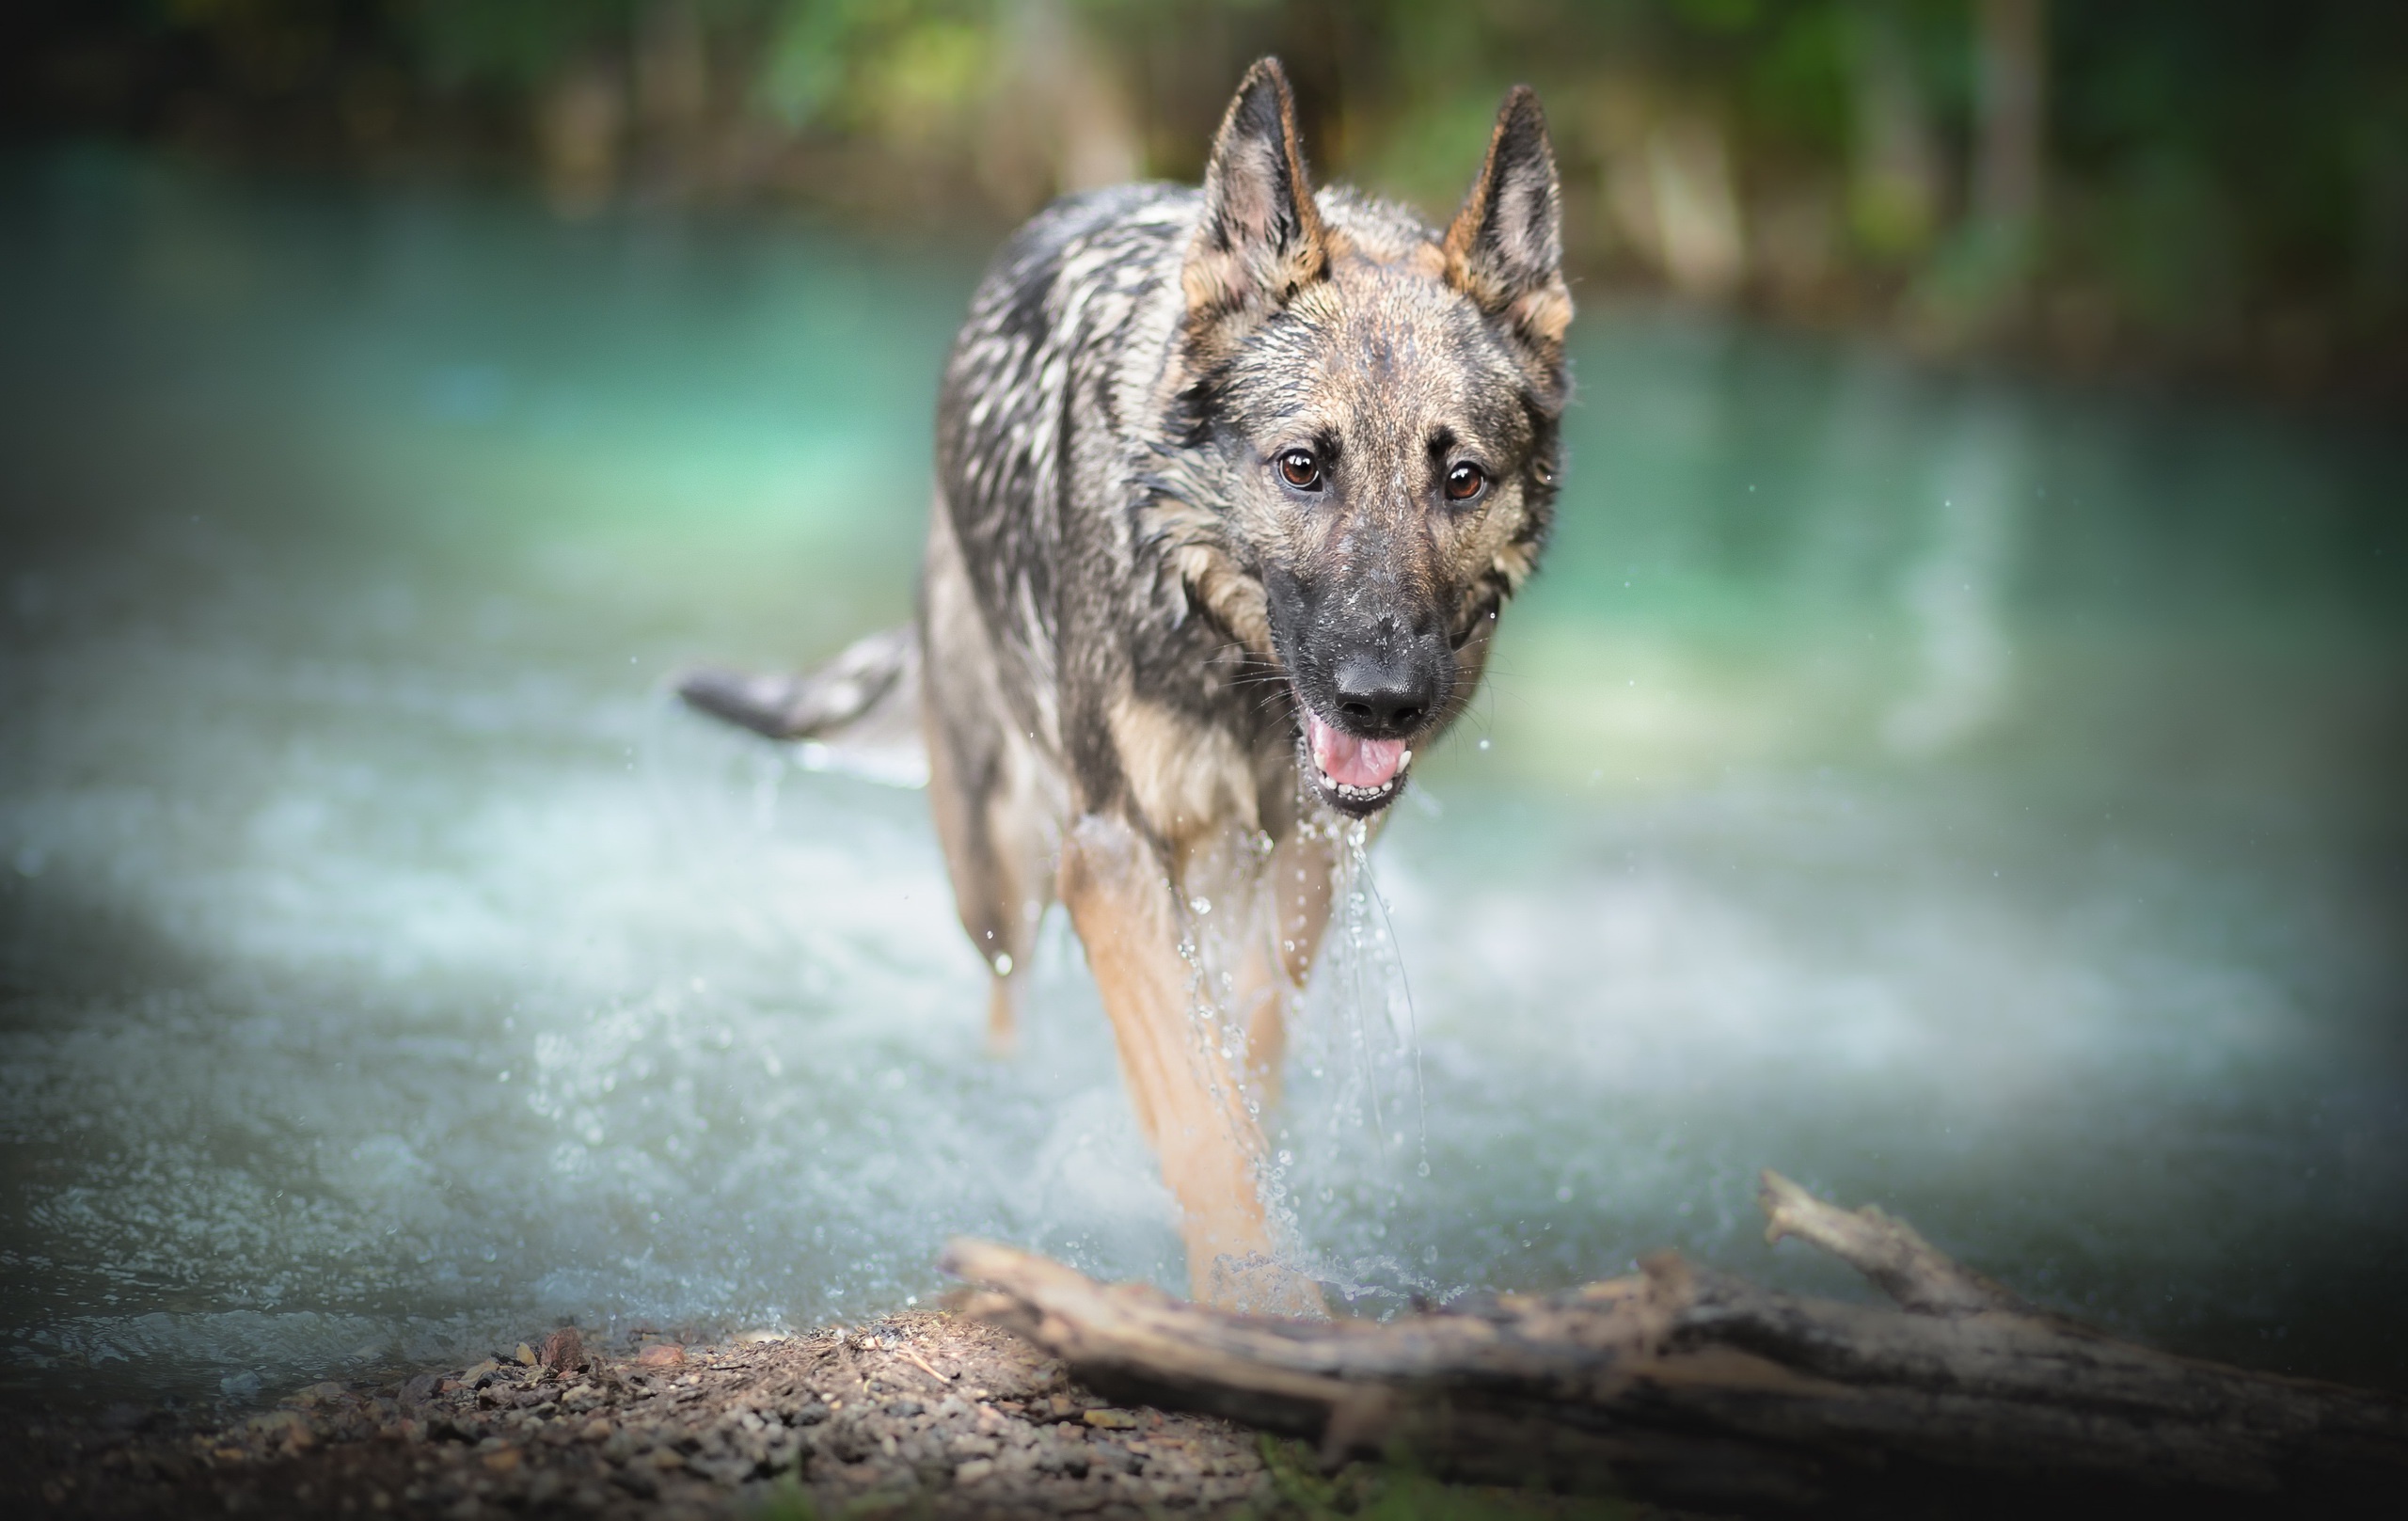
<point>564,1351</point>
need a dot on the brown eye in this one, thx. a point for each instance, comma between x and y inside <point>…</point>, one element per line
<point>1300,469</point>
<point>1464,482</point>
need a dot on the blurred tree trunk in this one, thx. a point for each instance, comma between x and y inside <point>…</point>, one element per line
<point>1895,180</point>
<point>1060,120</point>
<point>580,117</point>
<point>2011,82</point>
<point>673,84</point>
<point>1976,286</point>
<point>1700,236</point>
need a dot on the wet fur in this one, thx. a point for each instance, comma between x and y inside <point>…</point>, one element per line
<point>1119,611</point>
<point>1121,607</point>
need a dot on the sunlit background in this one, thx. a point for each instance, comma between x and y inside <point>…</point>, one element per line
<point>1953,754</point>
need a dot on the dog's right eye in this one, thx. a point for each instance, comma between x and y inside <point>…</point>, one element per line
<point>1300,469</point>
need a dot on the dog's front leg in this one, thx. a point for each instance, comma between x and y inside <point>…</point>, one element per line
<point>1286,902</point>
<point>1189,1091</point>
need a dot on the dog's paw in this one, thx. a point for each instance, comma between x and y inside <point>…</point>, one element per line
<point>1254,1284</point>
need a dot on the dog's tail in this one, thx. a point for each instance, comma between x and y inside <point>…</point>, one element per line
<point>816,704</point>
<point>859,712</point>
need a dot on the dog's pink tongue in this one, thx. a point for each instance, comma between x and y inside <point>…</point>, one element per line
<point>1359,762</point>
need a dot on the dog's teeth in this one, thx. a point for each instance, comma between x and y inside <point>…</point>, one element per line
<point>1352,793</point>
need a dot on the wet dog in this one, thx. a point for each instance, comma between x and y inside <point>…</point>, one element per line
<point>1231,486</point>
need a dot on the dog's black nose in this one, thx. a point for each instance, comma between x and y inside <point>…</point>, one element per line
<point>1383,696</point>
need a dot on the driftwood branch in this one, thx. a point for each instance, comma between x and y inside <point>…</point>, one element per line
<point>1692,1387</point>
<point>1900,1263</point>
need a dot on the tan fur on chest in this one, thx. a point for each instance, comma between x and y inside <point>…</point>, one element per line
<point>1189,780</point>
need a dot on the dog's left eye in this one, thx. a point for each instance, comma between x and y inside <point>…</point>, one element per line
<point>1300,469</point>
<point>1464,482</point>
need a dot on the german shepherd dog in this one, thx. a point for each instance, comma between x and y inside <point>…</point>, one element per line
<point>1231,486</point>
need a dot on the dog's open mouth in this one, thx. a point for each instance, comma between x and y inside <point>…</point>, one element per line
<point>1356,774</point>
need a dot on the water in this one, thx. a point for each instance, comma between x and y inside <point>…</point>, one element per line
<point>1971,796</point>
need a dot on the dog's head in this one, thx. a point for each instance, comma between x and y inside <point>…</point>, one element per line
<point>1373,408</point>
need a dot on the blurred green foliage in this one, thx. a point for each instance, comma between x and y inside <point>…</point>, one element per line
<point>2217,181</point>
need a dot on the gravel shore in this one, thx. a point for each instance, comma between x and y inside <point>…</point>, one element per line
<point>917,1413</point>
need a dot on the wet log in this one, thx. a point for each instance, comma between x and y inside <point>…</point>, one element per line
<point>1689,1386</point>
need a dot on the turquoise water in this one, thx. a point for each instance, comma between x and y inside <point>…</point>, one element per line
<point>1963,794</point>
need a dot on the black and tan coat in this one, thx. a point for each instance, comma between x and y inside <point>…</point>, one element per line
<point>1231,486</point>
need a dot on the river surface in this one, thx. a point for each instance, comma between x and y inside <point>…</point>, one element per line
<point>1973,797</point>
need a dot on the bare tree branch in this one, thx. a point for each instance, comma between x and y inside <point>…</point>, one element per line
<point>1693,1387</point>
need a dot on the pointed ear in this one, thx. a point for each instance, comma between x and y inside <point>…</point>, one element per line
<point>1260,238</point>
<point>1505,247</point>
